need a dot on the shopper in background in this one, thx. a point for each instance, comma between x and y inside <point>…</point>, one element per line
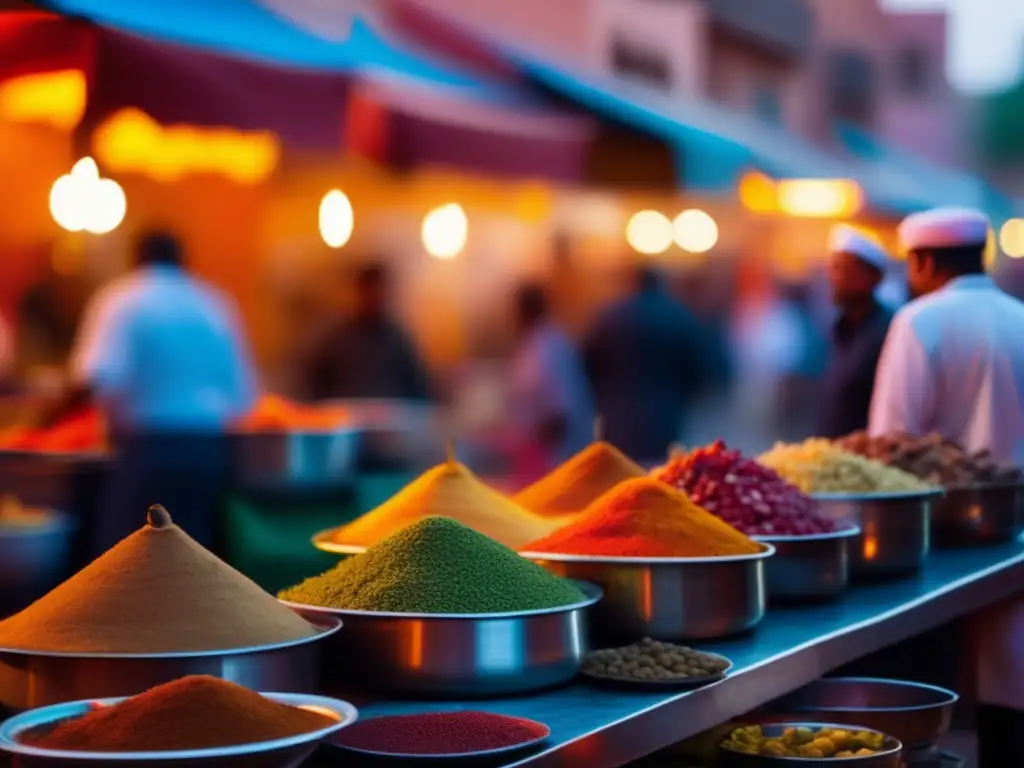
<point>551,409</point>
<point>165,356</point>
<point>646,360</point>
<point>857,264</point>
<point>366,355</point>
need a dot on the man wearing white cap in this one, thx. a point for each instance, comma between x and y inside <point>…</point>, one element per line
<point>953,361</point>
<point>857,264</point>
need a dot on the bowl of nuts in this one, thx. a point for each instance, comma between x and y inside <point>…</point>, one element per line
<point>652,664</point>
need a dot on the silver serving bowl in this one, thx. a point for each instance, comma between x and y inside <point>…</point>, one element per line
<point>979,514</point>
<point>279,753</point>
<point>268,461</point>
<point>895,528</point>
<point>34,559</point>
<point>683,598</point>
<point>888,757</point>
<point>36,679</point>
<point>461,655</point>
<point>915,713</point>
<point>811,567</point>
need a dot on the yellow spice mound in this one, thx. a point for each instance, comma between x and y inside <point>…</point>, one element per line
<point>157,591</point>
<point>448,490</point>
<point>571,487</point>
<point>644,517</point>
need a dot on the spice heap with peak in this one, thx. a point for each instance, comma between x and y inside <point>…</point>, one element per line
<point>645,518</point>
<point>575,484</point>
<point>749,496</point>
<point>438,566</point>
<point>452,491</point>
<point>157,591</point>
<point>191,713</point>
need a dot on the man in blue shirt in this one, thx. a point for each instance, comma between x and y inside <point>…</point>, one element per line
<point>857,265</point>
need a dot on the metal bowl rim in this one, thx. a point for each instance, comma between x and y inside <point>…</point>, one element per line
<point>319,541</point>
<point>697,682</point>
<point>895,749</point>
<point>9,730</point>
<point>346,430</point>
<point>327,626</point>
<point>930,493</point>
<point>767,551</point>
<point>952,696</point>
<point>57,522</point>
<point>593,594</point>
<point>453,755</point>
<point>842,533</point>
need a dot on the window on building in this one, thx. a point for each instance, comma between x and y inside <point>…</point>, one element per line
<point>768,104</point>
<point>640,62</point>
<point>913,72</point>
<point>851,86</point>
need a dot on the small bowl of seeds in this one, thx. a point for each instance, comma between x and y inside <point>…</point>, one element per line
<point>654,664</point>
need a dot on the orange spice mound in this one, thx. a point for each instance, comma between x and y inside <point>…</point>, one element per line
<point>644,517</point>
<point>195,712</point>
<point>275,413</point>
<point>156,591</point>
<point>571,487</point>
<point>447,490</point>
<point>78,433</point>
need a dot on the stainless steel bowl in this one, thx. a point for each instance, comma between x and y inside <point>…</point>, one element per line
<point>812,567</point>
<point>29,680</point>
<point>268,461</point>
<point>915,713</point>
<point>324,541</point>
<point>461,655</point>
<point>895,529</point>
<point>279,753</point>
<point>888,757</point>
<point>979,514</point>
<point>695,598</point>
<point>34,559</point>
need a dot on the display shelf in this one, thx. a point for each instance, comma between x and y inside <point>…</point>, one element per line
<point>597,728</point>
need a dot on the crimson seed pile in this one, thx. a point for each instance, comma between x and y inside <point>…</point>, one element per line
<point>749,496</point>
<point>439,733</point>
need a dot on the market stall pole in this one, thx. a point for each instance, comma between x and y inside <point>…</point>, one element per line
<point>792,647</point>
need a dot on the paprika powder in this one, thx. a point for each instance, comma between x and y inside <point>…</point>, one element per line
<point>195,712</point>
<point>440,733</point>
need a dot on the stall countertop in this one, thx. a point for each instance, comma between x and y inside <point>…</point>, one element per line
<point>599,728</point>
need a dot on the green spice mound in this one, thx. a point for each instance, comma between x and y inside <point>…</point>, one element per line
<point>436,566</point>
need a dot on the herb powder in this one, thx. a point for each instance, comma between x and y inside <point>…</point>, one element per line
<point>436,566</point>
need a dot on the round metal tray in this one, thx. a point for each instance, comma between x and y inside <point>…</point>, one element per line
<point>889,757</point>
<point>670,684</point>
<point>979,514</point>
<point>695,598</point>
<point>460,655</point>
<point>324,541</point>
<point>279,753</point>
<point>915,713</point>
<point>36,679</point>
<point>895,529</point>
<point>810,567</point>
<point>278,460</point>
<point>480,754</point>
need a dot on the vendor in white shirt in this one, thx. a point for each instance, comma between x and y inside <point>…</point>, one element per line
<point>163,353</point>
<point>953,360</point>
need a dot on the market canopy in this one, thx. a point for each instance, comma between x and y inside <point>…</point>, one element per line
<point>237,64</point>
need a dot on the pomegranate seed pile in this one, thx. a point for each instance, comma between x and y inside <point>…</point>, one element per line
<point>749,496</point>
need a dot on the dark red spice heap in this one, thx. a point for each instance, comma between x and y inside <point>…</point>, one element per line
<point>749,496</point>
<point>439,733</point>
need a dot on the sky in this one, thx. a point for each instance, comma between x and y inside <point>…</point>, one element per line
<point>986,43</point>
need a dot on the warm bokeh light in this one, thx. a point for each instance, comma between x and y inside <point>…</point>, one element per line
<point>757,193</point>
<point>337,219</point>
<point>649,232</point>
<point>695,231</point>
<point>54,98</point>
<point>82,201</point>
<point>445,231</point>
<point>131,141</point>
<point>819,198</point>
<point>1011,238</point>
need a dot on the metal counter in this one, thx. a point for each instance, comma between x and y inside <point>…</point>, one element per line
<point>598,728</point>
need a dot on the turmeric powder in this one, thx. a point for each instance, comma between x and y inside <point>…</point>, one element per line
<point>644,517</point>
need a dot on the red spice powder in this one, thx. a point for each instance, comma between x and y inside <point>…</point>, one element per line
<point>439,733</point>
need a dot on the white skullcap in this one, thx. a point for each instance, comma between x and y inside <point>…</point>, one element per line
<point>944,228</point>
<point>846,239</point>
